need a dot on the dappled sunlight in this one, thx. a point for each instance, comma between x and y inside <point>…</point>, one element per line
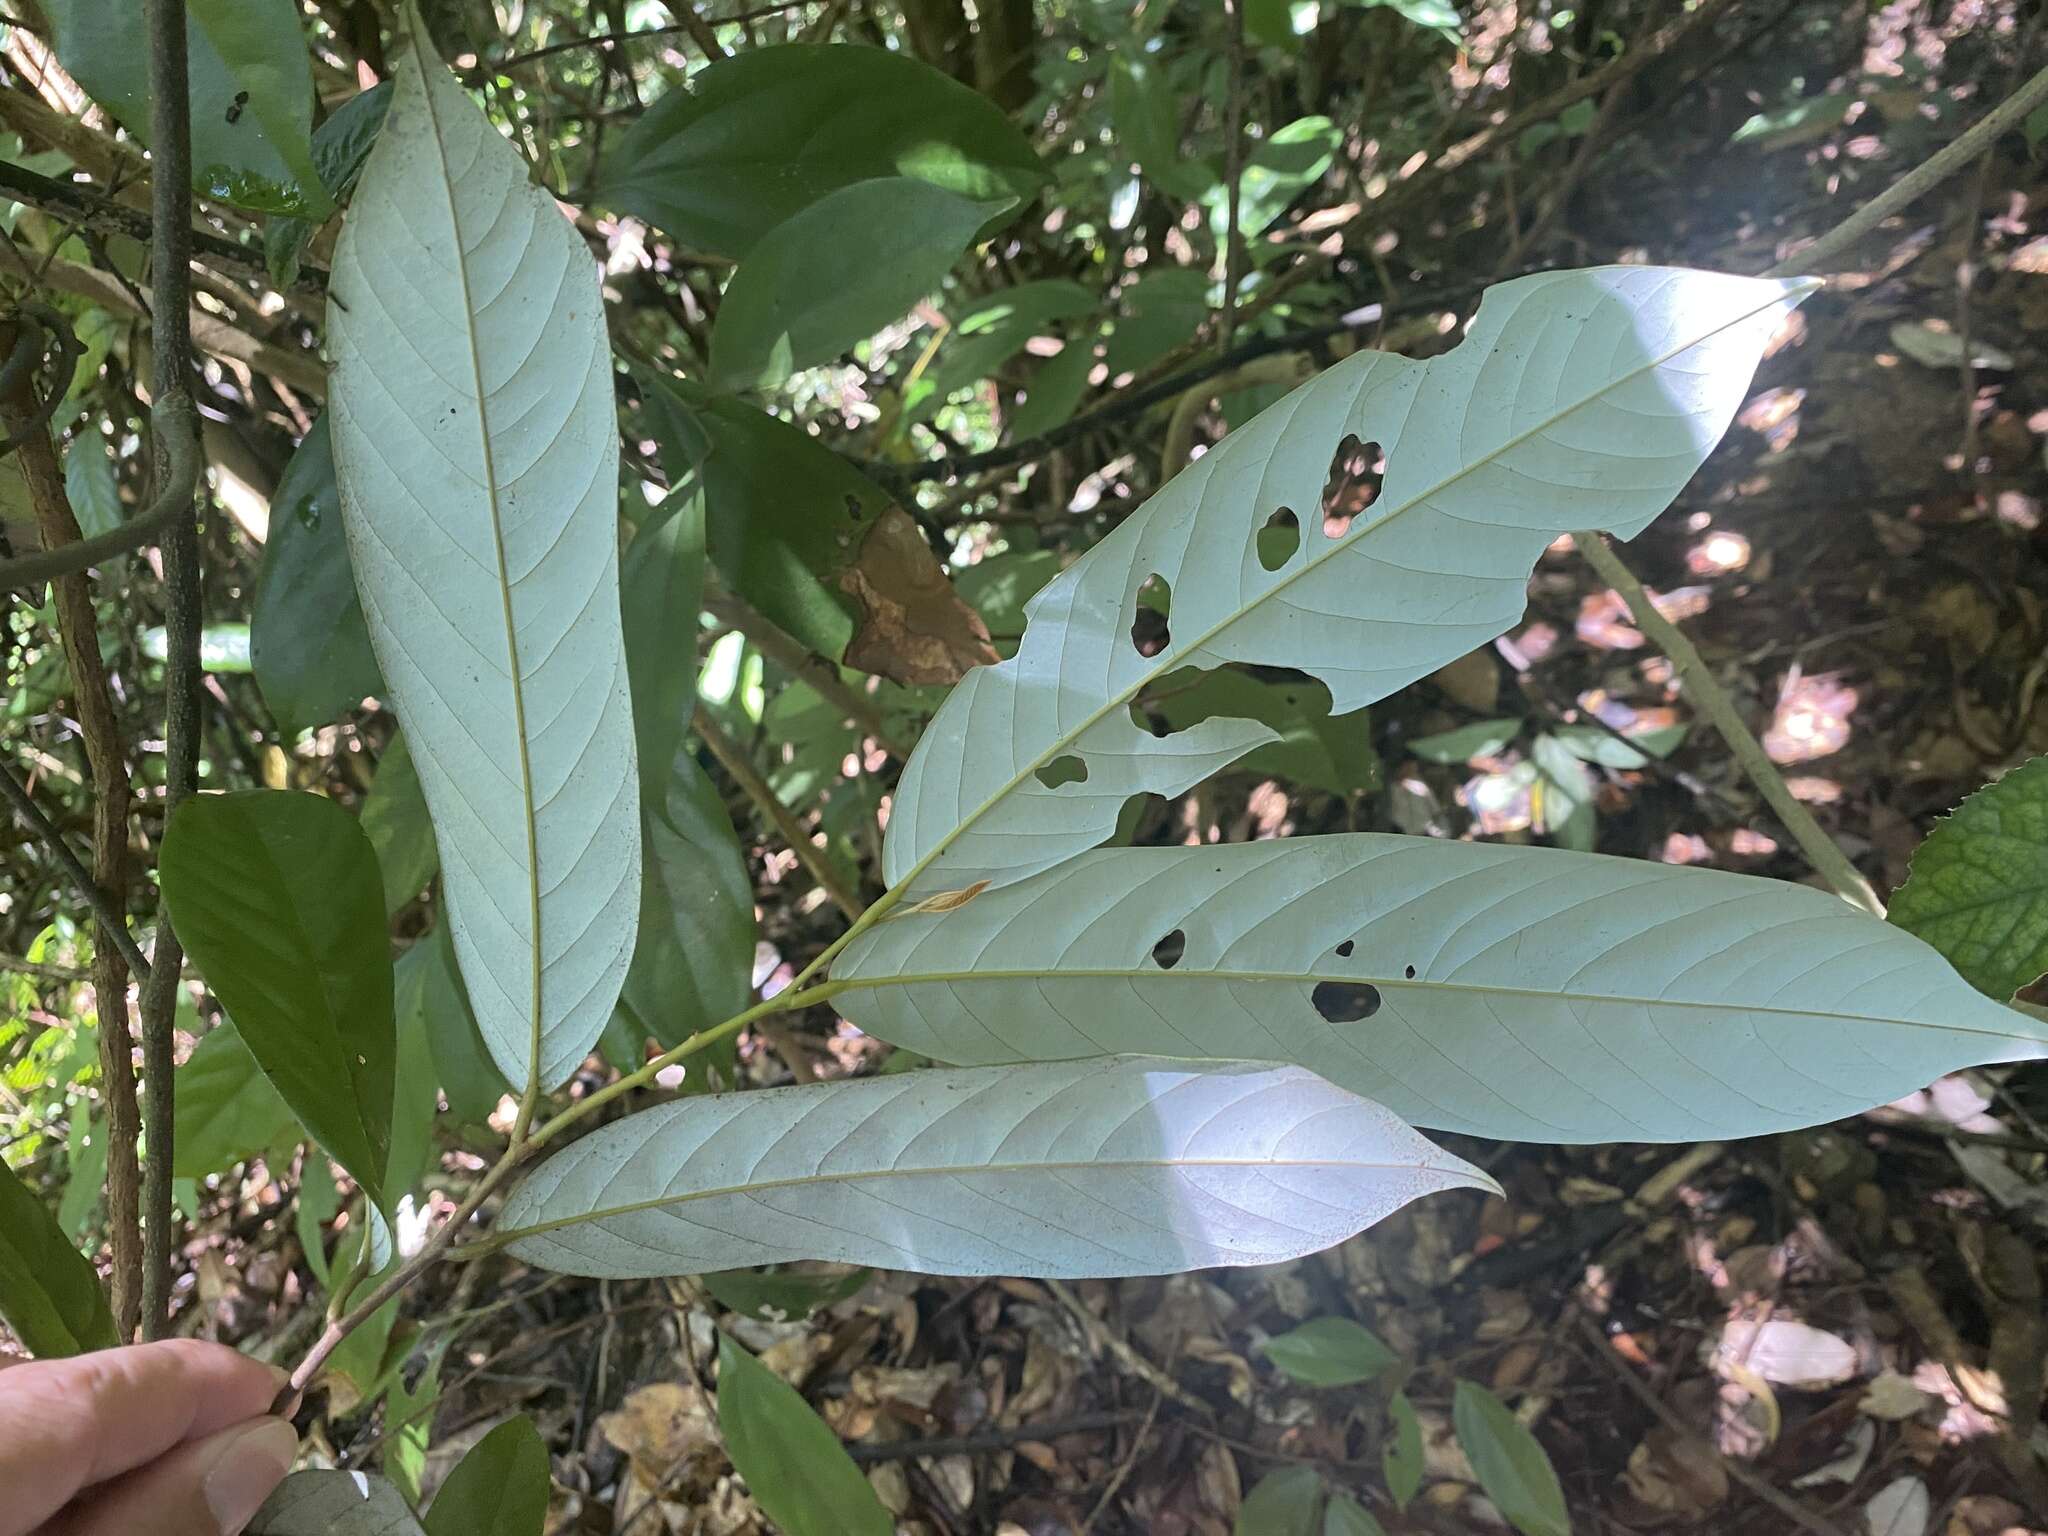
<point>1812,719</point>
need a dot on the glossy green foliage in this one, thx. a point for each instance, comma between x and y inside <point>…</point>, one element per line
<point>278,900</point>
<point>500,1488</point>
<point>794,1465</point>
<point>1329,1352</point>
<point>1513,1470</point>
<point>340,145</point>
<point>49,1293</point>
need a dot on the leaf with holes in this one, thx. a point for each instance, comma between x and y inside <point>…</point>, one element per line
<point>1134,1166</point>
<point>1578,399</point>
<point>1507,992</point>
<point>1978,888</point>
<point>476,442</point>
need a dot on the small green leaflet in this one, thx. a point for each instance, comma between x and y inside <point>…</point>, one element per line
<point>1513,1470</point>
<point>1483,738</point>
<point>500,1488</point>
<point>462,1063</point>
<point>1330,1352</point>
<point>1401,1459</point>
<point>782,1295</point>
<point>396,822</point>
<point>1285,1502</point>
<point>795,1467</point>
<point>1978,887</point>
<point>757,138</point>
<point>1345,1516</point>
<point>340,146</point>
<point>49,1293</point>
<point>278,900</point>
<point>796,302</point>
<point>225,1108</point>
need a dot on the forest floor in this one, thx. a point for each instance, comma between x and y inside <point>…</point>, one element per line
<point>1758,1337</point>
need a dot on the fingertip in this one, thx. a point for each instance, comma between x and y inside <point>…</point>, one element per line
<point>249,1463</point>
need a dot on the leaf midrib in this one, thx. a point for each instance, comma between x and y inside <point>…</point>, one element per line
<point>961,1170</point>
<point>1180,973</point>
<point>1176,655</point>
<point>526,797</point>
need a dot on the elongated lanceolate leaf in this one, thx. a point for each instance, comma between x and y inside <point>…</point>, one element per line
<point>1519,993</point>
<point>476,442</point>
<point>49,1292</point>
<point>325,1503</point>
<point>1135,1166</point>
<point>795,1466</point>
<point>1577,400</point>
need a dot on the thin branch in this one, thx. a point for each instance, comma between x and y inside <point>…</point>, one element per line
<point>787,827</point>
<point>171,344</point>
<point>1233,174</point>
<point>1712,700</point>
<point>112,928</point>
<point>605,39</point>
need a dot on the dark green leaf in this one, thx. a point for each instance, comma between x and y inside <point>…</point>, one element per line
<point>1290,159</point>
<point>693,962</point>
<point>796,301</point>
<point>1483,738</point>
<point>1978,887</point>
<point>319,1202</point>
<point>782,1295</point>
<point>1331,753</point>
<point>1146,111</point>
<point>462,1063</point>
<point>85,1151</point>
<point>1345,1516</point>
<point>1285,1502</point>
<point>1401,1458</point>
<point>340,145</point>
<point>226,1110</point>
<point>499,1489</point>
<point>1330,1352</point>
<point>278,900</point>
<point>49,1294</point>
<point>991,330</point>
<point>754,139</point>
<point>307,639</point>
<point>251,89</point>
<point>661,590</point>
<point>795,1467</point>
<point>415,1088</point>
<point>333,1503</point>
<point>1156,314</point>
<point>1055,390</point>
<point>1512,1468</point>
<point>396,822</point>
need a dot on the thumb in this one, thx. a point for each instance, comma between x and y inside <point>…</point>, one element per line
<point>210,1487</point>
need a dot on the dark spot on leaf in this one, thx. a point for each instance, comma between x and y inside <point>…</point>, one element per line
<point>1067,769</point>
<point>1410,973</point>
<point>1345,1002</point>
<point>1150,631</point>
<point>853,507</point>
<point>1345,949</point>
<point>1279,539</point>
<point>1167,952</point>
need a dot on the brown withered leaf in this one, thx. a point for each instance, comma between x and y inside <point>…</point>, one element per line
<point>911,626</point>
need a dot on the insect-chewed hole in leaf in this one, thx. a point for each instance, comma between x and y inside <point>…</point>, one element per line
<point>1279,539</point>
<point>1063,770</point>
<point>1345,949</point>
<point>1167,952</point>
<point>1149,629</point>
<point>1357,471</point>
<point>1345,1002</point>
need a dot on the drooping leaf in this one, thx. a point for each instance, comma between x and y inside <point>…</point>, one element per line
<point>1285,1502</point>
<point>396,822</point>
<point>49,1293</point>
<point>1520,993</point>
<point>1401,1459</point>
<point>340,145</point>
<point>661,592</point>
<point>476,447</point>
<point>796,301</point>
<point>307,641</point>
<point>251,89</point>
<point>795,1467</point>
<point>277,898</point>
<point>694,962</point>
<point>1577,399</point>
<point>814,544</point>
<point>1513,1470</point>
<point>1123,1167</point>
<point>782,1295</point>
<point>462,1063</point>
<point>756,138</point>
<point>226,1110</point>
<point>500,1488</point>
<point>1146,111</point>
<point>332,1503</point>
<point>1978,887</point>
<point>1330,1352</point>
